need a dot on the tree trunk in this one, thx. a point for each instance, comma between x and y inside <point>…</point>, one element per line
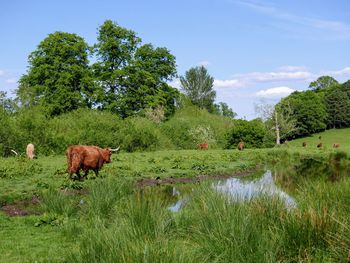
<point>278,139</point>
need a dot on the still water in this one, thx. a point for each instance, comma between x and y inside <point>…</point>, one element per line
<point>239,189</point>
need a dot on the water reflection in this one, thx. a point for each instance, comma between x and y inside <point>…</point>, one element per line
<point>246,190</point>
<point>178,205</point>
<point>241,189</point>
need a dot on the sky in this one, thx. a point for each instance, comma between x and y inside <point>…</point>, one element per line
<point>257,51</point>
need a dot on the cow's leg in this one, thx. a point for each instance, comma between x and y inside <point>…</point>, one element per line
<point>96,172</point>
<point>86,174</point>
<point>78,175</point>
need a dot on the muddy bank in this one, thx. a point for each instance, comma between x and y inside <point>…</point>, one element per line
<point>186,180</point>
<point>20,208</point>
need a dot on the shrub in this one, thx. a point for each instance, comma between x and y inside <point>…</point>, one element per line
<point>252,133</point>
<point>138,134</point>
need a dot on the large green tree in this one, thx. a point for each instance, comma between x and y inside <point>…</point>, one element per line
<point>133,77</point>
<point>338,108</point>
<point>224,110</point>
<point>59,77</point>
<point>322,83</point>
<point>309,111</point>
<point>197,84</point>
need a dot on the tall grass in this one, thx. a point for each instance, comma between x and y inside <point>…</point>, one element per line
<point>214,228</point>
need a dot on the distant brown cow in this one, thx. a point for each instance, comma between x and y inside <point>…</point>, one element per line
<point>336,145</point>
<point>241,146</point>
<point>304,144</point>
<point>30,151</point>
<point>82,157</point>
<point>319,145</point>
<point>203,146</point>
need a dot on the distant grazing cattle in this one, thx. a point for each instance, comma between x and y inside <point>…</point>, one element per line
<point>30,151</point>
<point>81,157</point>
<point>336,145</point>
<point>203,146</point>
<point>304,144</point>
<point>241,146</point>
<point>319,145</point>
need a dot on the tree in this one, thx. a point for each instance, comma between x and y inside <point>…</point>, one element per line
<point>114,50</point>
<point>338,108</point>
<point>322,83</point>
<point>197,84</point>
<point>59,76</point>
<point>224,110</point>
<point>252,133</point>
<point>278,119</point>
<point>308,110</point>
<point>132,76</point>
<point>6,103</point>
<point>146,83</point>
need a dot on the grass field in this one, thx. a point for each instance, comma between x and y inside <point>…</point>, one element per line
<point>328,138</point>
<point>108,219</point>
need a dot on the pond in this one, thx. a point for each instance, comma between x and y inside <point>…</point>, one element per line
<point>236,188</point>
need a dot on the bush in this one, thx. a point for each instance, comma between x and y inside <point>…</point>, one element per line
<point>85,126</point>
<point>252,133</point>
<point>138,134</point>
<point>190,125</point>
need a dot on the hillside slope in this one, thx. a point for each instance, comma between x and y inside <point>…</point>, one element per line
<point>327,138</point>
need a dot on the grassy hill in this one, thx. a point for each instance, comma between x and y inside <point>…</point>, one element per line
<point>328,138</point>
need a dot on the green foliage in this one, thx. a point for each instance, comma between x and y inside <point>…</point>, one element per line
<point>139,134</point>
<point>191,125</point>
<point>252,133</point>
<point>308,110</point>
<point>112,220</point>
<point>132,77</point>
<point>197,84</point>
<point>86,127</point>
<point>59,77</point>
<point>6,131</point>
<point>338,108</point>
<point>322,83</point>
<point>224,110</point>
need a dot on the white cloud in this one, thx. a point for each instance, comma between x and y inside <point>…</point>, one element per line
<point>230,83</point>
<point>277,92</point>
<point>342,72</point>
<point>2,72</point>
<point>275,76</point>
<point>332,28</point>
<point>12,80</point>
<point>290,73</point>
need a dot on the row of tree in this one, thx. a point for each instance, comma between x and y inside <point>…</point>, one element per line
<point>126,76</point>
<point>325,105</point>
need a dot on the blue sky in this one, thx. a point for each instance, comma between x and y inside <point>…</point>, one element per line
<point>257,51</point>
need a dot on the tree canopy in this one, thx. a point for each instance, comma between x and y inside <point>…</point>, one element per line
<point>125,78</point>
<point>132,76</point>
<point>59,76</point>
<point>197,84</point>
<point>322,83</point>
<point>308,110</point>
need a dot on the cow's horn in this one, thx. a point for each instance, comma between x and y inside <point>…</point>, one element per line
<point>115,150</point>
<point>14,152</point>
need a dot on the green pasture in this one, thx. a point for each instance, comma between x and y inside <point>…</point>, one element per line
<point>328,138</point>
<point>108,219</point>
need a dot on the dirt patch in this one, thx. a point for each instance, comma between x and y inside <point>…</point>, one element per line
<point>21,208</point>
<point>187,180</point>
